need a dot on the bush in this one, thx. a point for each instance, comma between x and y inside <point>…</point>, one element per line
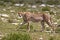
<point>2,3</point>
<point>51,38</point>
<point>46,8</point>
<point>51,12</point>
<point>57,30</point>
<point>51,2</point>
<point>17,36</point>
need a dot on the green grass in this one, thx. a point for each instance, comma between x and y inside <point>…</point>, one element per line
<point>6,27</point>
<point>17,36</point>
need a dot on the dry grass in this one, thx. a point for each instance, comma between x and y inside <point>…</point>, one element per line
<point>6,27</point>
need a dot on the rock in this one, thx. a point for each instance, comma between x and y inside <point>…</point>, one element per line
<point>1,36</point>
<point>51,5</point>
<point>55,23</point>
<point>48,31</point>
<point>46,25</point>
<point>15,23</point>
<point>21,23</point>
<point>4,19</point>
<point>42,5</point>
<point>4,15</point>
<point>41,38</point>
<point>19,5</point>
<point>4,9</point>
<point>33,6</point>
<point>12,11</point>
<point>29,5</point>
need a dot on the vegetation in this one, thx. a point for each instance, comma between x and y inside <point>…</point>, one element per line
<point>55,2</point>
<point>17,36</point>
<point>47,8</point>
<point>51,2</point>
<point>8,28</point>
